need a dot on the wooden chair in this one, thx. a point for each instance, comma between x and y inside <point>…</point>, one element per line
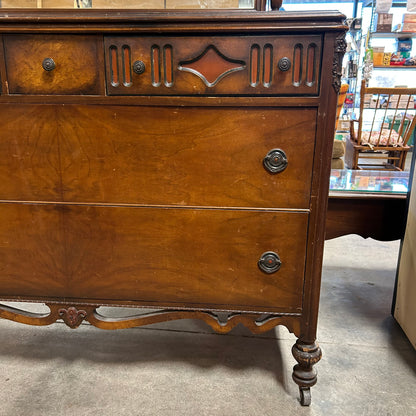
<point>341,99</point>
<point>386,122</point>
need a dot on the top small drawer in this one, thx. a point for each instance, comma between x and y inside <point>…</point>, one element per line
<point>53,64</point>
<point>278,65</point>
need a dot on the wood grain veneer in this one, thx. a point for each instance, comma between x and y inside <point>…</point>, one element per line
<point>178,161</point>
<point>153,254</point>
<point>120,154</point>
<point>77,60</point>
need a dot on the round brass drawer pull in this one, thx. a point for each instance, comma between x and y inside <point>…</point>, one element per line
<point>139,67</point>
<point>48,64</point>
<point>269,262</point>
<point>275,161</point>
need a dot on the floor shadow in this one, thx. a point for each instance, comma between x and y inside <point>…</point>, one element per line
<point>400,342</point>
<point>145,344</point>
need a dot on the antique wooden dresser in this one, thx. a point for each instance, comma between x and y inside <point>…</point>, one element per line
<point>177,161</point>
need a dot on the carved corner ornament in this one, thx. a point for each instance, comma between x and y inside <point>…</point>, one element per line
<point>340,48</point>
<point>72,316</point>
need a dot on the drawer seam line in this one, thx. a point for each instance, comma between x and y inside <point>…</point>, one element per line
<point>131,205</point>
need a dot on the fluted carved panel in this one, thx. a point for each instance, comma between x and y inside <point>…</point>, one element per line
<point>168,65</point>
<point>238,65</point>
<point>156,69</point>
<point>254,65</point>
<point>267,65</point>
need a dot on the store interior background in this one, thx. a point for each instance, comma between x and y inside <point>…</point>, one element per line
<point>369,365</point>
<point>357,42</point>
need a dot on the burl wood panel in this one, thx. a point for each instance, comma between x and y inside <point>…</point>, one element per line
<point>194,256</point>
<point>29,153</point>
<point>31,250</point>
<point>226,65</point>
<point>77,60</point>
<point>156,155</point>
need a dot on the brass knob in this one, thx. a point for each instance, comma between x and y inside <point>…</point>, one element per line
<point>139,67</point>
<point>269,262</point>
<point>284,64</point>
<point>275,161</point>
<point>48,64</point>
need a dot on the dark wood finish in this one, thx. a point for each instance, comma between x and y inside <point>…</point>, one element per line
<point>205,256</point>
<point>78,313</point>
<point>307,355</point>
<point>145,185</point>
<point>215,65</point>
<point>4,88</point>
<point>316,234</point>
<point>77,59</point>
<point>370,216</point>
<point>29,147</point>
<point>169,101</point>
<point>121,155</point>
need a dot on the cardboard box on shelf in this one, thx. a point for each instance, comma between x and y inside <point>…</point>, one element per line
<point>343,125</point>
<point>408,22</point>
<point>409,27</point>
<point>409,18</point>
<point>382,22</point>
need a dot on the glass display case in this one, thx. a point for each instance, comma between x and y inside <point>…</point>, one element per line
<point>369,181</point>
<point>368,203</point>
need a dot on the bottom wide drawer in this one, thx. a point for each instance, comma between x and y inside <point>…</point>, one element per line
<point>208,258</point>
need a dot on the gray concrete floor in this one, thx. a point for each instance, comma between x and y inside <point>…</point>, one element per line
<point>183,368</point>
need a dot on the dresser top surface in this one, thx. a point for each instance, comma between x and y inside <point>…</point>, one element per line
<point>210,19</point>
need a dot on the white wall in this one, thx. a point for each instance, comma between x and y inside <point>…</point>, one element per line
<point>405,310</point>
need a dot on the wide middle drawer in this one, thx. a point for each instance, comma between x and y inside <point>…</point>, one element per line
<point>191,156</point>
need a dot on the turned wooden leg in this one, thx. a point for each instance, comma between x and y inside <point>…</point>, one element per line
<point>304,374</point>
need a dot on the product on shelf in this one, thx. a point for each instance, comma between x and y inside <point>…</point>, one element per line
<point>404,45</point>
<point>382,22</point>
<point>409,22</point>
<point>378,55</point>
<point>401,57</point>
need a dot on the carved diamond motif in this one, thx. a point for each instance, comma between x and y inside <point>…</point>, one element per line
<point>211,66</point>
